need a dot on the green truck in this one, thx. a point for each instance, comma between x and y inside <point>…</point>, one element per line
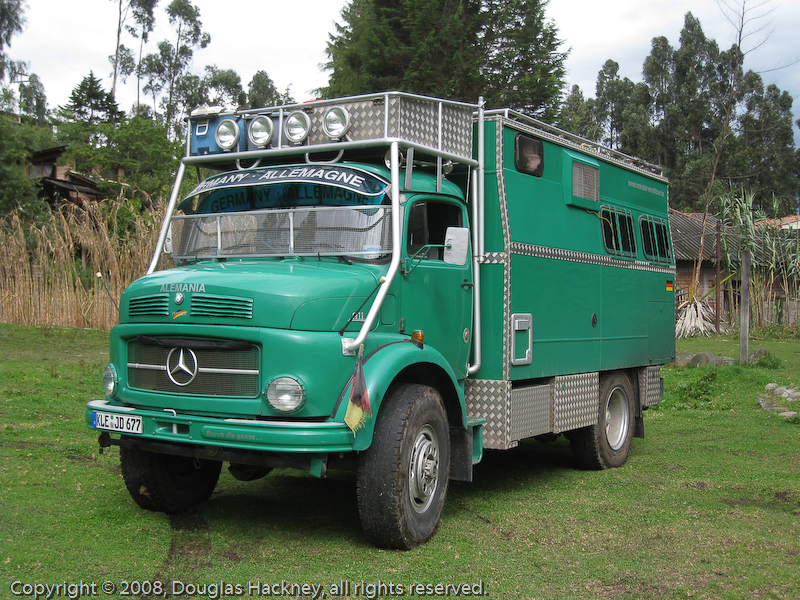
<point>390,284</point>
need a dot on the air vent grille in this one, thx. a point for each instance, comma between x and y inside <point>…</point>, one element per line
<point>207,305</point>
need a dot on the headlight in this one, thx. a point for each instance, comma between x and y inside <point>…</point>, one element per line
<point>110,380</point>
<point>259,131</point>
<point>296,127</point>
<point>336,122</point>
<point>285,394</point>
<point>227,134</point>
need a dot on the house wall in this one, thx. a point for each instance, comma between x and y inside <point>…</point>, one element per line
<point>706,283</point>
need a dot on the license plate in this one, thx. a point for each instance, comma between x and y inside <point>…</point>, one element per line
<point>117,422</point>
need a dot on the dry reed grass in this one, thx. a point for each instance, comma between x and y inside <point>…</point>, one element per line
<point>48,275</point>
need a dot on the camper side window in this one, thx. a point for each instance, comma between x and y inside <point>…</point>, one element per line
<point>528,155</point>
<point>618,232</point>
<point>427,225</point>
<point>655,239</point>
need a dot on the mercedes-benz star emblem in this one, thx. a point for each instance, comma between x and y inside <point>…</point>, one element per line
<point>181,366</point>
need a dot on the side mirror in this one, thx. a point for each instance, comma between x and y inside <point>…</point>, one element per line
<point>456,245</point>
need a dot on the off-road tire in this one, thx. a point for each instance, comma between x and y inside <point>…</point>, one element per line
<point>607,444</point>
<point>403,477</point>
<point>167,483</point>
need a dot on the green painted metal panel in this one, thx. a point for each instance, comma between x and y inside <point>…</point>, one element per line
<point>593,308</point>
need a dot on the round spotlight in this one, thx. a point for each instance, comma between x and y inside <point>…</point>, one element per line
<point>227,134</point>
<point>285,394</point>
<point>336,122</point>
<point>296,127</point>
<point>259,131</point>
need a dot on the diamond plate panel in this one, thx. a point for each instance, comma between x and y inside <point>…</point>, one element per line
<point>530,411</point>
<point>366,121</point>
<point>651,386</point>
<point>491,399</point>
<point>576,401</point>
<point>415,119</point>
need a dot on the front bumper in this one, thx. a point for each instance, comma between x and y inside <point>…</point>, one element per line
<point>300,437</point>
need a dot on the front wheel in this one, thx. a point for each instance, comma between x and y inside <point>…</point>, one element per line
<point>167,483</point>
<point>403,476</point>
<point>607,443</point>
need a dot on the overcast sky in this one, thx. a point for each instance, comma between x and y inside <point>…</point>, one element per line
<point>65,39</point>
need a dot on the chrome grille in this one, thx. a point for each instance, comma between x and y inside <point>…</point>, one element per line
<point>157,304</point>
<point>206,305</point>
<point>218,368</point>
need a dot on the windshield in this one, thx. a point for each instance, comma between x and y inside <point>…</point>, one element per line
<point>285,211</point>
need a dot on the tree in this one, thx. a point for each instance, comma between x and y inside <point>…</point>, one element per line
<point>524,68</point>
<point>577,115</point>
<point>658,72</point>
<point>165,69</point>
<point>86,122</point>
<point>262,92</point>
<point>613,97</point>
<point>765,145</point>
<point>17,191</point>
<point>460,49</point>
<point>33,100</point>
<point>91,104</point>
<point>143,15</point>
<point>224,87</point>
<point>123,61</point>
<point>442,54</point>
<point>12,22</point>
<point>142,149</point>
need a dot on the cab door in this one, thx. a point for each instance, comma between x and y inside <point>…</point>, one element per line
<point>436,296</point>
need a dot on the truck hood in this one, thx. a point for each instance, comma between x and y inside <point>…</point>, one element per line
<point>306,294</point>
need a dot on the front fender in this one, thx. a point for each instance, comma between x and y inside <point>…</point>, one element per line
<point>382,368</point>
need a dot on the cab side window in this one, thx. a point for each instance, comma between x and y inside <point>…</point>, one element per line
<point>427,224</point>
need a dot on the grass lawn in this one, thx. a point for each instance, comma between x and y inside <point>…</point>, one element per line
<point>708,505</point>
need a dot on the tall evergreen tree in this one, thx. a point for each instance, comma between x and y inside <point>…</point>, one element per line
<point>524,67</point>
<point>462,49</point>
<point>90,104</point>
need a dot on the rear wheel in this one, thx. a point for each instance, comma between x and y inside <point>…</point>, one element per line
<point>607,443</point>
<point>167,483</point>
<point>403,476</point>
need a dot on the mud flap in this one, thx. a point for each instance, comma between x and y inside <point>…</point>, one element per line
<point>466,449</point>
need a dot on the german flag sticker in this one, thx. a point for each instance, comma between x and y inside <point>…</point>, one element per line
<point>669,286</point>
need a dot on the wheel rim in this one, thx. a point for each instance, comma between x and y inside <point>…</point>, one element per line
<point>617,418</point>
<point>423,473</point>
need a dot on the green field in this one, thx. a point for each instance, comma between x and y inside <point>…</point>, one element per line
<point>708,505</point>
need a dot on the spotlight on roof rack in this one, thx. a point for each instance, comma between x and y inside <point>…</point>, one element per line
<point>227,134</point>
<point>296,127</point>
<point>336,122</point>
<point>259,131</point>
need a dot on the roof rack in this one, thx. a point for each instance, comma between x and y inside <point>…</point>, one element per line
<point>441,128</point>
<point>565,138</point>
